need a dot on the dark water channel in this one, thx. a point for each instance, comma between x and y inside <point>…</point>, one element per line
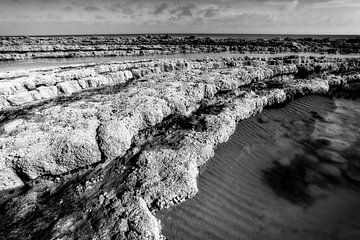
<point>289,173</point>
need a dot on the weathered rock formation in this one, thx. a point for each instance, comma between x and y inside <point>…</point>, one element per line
<point>92,151</point>
<point>19,48</point>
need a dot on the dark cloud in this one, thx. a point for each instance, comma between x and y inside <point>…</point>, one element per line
<point>25,17</point>
<point>92,8</point>
<point>246,20</point>
<point>53,17</point>
<point>160,8</point>
<point>209,12</point>
<point>289,1</point>
<point>100,17</point>
<point>122,7</point>
<point>117,5</point>
<point>31,1</point>
<point>182,15</point>
<point>182,11</point>
<point>299,2</point>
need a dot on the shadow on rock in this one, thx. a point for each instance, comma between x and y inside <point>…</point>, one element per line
<point>88,95</point>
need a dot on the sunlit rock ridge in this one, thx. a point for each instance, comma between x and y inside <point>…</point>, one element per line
<point>92,151</point>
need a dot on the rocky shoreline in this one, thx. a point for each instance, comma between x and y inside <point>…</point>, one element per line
<point>92,151</point>
<point>21,48</point>
<point>278,175</point>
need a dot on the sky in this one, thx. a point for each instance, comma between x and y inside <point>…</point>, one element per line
<point>51,17</point>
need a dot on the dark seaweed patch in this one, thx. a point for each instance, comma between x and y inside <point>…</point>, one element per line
<point>316,115</point>
<point>211,109</point>
<point>274,84</point>
<point>173,128</point>
<point>29,111</point>
<point>289,182</point>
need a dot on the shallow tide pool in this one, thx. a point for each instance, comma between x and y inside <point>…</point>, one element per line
<point>291,172</point>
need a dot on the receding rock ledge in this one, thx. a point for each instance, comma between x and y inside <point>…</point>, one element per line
<point>91,151</point>
<point>27,87</point>
<point>20,48</point>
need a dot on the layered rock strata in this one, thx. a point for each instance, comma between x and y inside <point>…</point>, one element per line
<point>20,48</point>
<point>28,87</point>
<point>98,160</point>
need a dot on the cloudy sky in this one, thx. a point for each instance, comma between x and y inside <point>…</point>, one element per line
<point>20,17</point>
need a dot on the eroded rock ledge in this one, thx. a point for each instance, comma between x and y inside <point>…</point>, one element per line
<point>116,142</point>
<point>20,48</point>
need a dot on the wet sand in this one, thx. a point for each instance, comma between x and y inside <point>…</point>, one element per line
<point>253,189</point>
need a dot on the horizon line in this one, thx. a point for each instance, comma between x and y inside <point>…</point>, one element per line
<point>253,34</point>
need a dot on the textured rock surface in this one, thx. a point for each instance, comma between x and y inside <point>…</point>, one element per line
<point>20,88</point>
<point>120,141</point>
<point>19,48</point>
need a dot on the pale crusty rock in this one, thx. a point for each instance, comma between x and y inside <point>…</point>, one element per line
<point>143,223</point>
<point>167,180</point>
<point>169,175</point>
<point>19,48</point>
<point>104,81</point>
<point>21,98</point>
<point>12,87</point>
<point>91,82</point>
<point>9,182</point>
<point>83,83</point>
<point>161,184</point>
<point>120,156</point>
<point>12,125</point>
<point>30,83</point>
<point>88,76</point>
<point>48,80</point>
<point>145,110</point>
<point>9,179</point>
<point>116,133</point>
<point>64,140</point>
<point>76,74</point>
<point>103,69</point>
<point>59,154</point>
<point>4,103</point>
<point>47,92</point>
<point>69,87</point>
<point>128,74</point>
<point>118,77</point>
<point>115,138</point>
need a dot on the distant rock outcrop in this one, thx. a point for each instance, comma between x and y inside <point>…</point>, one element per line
<point>20,48</point>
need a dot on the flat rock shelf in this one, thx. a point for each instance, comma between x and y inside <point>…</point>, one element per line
<point>47,47</point>
<point>96,150</point>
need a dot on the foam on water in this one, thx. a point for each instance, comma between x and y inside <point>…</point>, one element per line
<point>236,199</point>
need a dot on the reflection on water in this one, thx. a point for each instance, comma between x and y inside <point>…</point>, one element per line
<point>288,173</point>
<point>328,156</point>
